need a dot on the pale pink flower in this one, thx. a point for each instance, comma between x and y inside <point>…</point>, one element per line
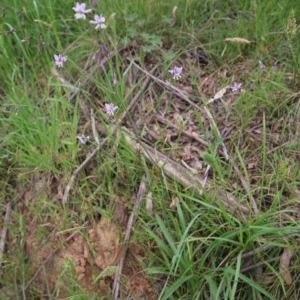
<point>110,109</point>
<point>176,72</point>
<point>81,10</point>
<point>99,21</point>
<point>236,86</point>
<point>60,60</point>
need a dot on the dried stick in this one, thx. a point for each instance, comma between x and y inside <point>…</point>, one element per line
<point>95,133</point>
<point>78,169</point>
<point>192,135</point>
<point>87,159</point>
<point>255,251</point>
<point>179,173</point>
<point>9,207</point>
<point>258,265</point>
<point>183,95</point>
<point>131,221</point>
<point>4,231</point>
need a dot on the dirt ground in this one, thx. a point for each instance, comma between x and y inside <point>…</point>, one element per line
<point>86,255</point>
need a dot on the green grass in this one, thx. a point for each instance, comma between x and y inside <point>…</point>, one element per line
<point>196,248</point>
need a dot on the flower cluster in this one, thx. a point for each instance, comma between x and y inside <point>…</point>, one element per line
<point>81,11</point>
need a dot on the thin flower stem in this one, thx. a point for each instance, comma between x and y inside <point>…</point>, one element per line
<point>95,133</point>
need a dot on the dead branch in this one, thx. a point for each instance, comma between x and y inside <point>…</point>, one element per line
<point>177,172</point>
<point>131,221</point>
<point>182,94</point>
<point>4,231</point>
<point>192,135</point>
<point>95,133</point>
<point>78,169</point>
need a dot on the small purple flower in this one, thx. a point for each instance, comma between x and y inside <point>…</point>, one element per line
<point>99,21</point>
<point>110,109</point>
<point>176,72</point>
<point>81,10</point>
<point>60,60</point>
<point>236,86</point>
<point>261,65</point>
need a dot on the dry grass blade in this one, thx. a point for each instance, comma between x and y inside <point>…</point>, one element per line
<point>193,135</point>
<point>246,188</point>
<point>225,152</point>
<point>214,125</point>
<point>238,40</point>
<point>182,94</point>
<point>285,261</point>
<point>78,169</point>
<point>218,95</point>
<point>4,231</point>
<point>131,221</point>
